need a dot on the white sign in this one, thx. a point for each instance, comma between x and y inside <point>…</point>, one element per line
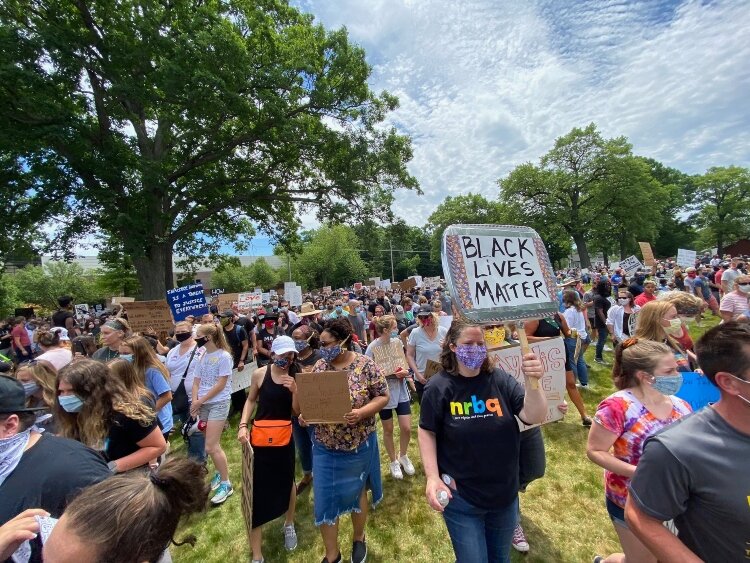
<point>241,379</point>
<point>82,310</point>
<point>417,279</point>
<point>686,258</point>
<point>289,284</point>
<point>551,353</point>
<point>293,294</point>
<point>613,266</point>
<point>265,297</point>
<point>247,300</point>
<point>384,284</point>
<point>446,321</point>
<point>432,283</point>
<point>631,265</point>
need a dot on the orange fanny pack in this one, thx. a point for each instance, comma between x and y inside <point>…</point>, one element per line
<point>271,433</point>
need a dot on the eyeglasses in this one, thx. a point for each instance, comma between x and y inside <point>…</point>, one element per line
<point>327,344</point>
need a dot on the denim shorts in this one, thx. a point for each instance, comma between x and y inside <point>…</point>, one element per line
<point>616,513</point>
<point>215,411</point>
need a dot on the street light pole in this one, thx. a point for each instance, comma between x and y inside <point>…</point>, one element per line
<point>393,275</point>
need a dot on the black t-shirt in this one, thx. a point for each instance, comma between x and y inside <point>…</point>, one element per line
<point>235,337</point>
<point>124,435</point>
<point>310,360</point>
<point>49,475</point>
<point>601,302</point>
<point>385,303</point>
<point>267,339</point>
<point>476,433</point>
<point>60,316</point>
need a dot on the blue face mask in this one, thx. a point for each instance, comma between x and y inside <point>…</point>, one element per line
<point>394,334</point>
<point>330,354</point>
<point>282,363</point>
<point>338,309</point>
<point>127,357</point>
<point>30,388</point>
<point>70,403</point>
<point>301,345</point>
<point>667,384</point>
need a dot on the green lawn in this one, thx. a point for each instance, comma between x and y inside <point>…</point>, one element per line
<point>563,513</point>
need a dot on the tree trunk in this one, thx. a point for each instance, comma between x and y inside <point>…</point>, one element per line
<point>605,257</point>
<point>622,245</point>
<point>720,244</point>
<point>583,251</point>
<point>152,271</point>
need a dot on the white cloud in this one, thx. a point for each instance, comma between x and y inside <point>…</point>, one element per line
<point>486,85</point>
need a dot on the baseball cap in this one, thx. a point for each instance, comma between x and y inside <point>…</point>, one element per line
<point>424,310</point>
<point>283,345</point>
<point>228,314</point>
<point>12,396</point>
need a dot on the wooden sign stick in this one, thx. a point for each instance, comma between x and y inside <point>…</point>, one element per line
<point>526,349</point>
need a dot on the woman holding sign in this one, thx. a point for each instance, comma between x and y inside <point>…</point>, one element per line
<point>388,346</point>
<point>345,456</point>
<point>469,440</point>
<point>274,391</point>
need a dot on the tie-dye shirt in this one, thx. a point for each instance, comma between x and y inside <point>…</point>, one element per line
<point>624,415</point>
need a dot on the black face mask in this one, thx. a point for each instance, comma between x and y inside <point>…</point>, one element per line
<point>182,336</point>
<point>201,341</point>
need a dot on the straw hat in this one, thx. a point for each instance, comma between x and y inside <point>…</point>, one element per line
<point>308,309</point>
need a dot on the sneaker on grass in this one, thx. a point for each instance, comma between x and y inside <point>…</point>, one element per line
<point>396,470</point>
<point>359,551</point>
<point>290,537</point>
<point>222,493</point>
<point>519,542</point>
<point>215,481</point>
<point>406,464</point>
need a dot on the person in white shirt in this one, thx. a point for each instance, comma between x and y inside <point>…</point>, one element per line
<point>621,317</point>
<point>575,316</point>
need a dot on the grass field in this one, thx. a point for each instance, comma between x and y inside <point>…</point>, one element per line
<point>563,513</point>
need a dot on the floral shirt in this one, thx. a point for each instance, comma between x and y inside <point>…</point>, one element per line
<point>623,414</point>
<point>366,381</point>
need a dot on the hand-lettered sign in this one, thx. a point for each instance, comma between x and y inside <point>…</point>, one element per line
<point>631,265</point>
<point>187,300</point>
<point>390,356</point>
<point>145,315</point>
<point>498,273</point>
<point>698,390</point>
<point>324,396</point>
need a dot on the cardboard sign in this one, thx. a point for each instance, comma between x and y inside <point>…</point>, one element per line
<point>390,357</point>
<point>216,291</point>
<point>120,300</point>
<point>698,390</point>
<point>498,273</point>
<point>293,294</point>
<point>324,396</point>
<point>247,487</point>
<point>143,315</point>
<point>648,254</point>
<point>373,282</point>
<point>551,353</point>
<point>396,286</point>
<point>408,285</point>
<point>226,301</point>
<point>432,282</point>
<point>686,258</point>
<point>432,368</point>
<point>187,300</point>
<point>631,265</point>
<point>241,379</point>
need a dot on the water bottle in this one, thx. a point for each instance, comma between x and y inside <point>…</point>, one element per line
<point>442,498</point>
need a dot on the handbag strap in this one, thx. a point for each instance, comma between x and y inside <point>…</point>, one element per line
<point>192,354</point>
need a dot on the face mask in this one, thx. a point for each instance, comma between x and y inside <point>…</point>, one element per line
<point>743,381</point>
<point>744,288</point>
<point>30,388</point>
<point>624,301</point>
<point>409,315</point>
<point>394,334</point>
<point>301,345</point>
<point>330,354</point>
<point>426,321</point>
<point>70,403</point>
<point>225,321</point>
<point>667,384</point>
<point>339,309</point>
<point>269,325</point>
<point>182,336</point>
<point>471,356</point>
<point>201,340</point>
<point>674,328</point>
<point>282,363</point>
<point>284,309</point>
<point>358,310</point>
<point>127,357</point>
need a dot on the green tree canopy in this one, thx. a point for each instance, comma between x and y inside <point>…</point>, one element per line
<point>173,127</point>
<point>42,285</point>
<point>329,258</point>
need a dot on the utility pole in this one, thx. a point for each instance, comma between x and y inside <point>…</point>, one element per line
<point>393,275</point>
<point>289,263</point>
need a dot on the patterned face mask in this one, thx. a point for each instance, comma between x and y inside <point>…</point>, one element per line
<point>472,356</point>
<point>330,354</point>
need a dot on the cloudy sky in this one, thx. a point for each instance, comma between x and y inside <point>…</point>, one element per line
<point>485,85</point>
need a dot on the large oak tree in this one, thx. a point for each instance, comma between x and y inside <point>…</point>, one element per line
<point>160,127</point>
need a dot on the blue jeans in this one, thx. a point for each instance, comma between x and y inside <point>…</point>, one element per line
<point>196,444</point>
<point>600,342</point>
<point>580,371</point>
<point>303,443</point>
<point>479,535</point>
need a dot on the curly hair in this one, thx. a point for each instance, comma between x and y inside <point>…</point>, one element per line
<point>102,396</point>
<point>341,330</point>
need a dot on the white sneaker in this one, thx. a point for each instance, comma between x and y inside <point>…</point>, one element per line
<point>222,493</point>
<point>290,537</point>
<point>607,348</point>
<point>406,464</point>
<point>396,470</point>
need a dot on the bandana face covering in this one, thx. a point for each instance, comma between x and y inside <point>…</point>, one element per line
<point>282,363</point>
<point>471,356</point>
<point>11,450</point>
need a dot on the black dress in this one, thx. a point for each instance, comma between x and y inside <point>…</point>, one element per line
<point>273,468</point>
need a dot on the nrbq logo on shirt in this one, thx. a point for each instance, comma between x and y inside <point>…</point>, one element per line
<point>476,408</point>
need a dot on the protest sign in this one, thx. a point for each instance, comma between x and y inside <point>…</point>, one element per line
<point>432,282</point>
<point>241,379</point>
<point>551,353</point>
<point>395,286</point>
<point>226,301</point>
<point>216,291</point>
<point>144,315</point>
<point>187,300</point>
<point>697,390</point>
<point>293,294</point>
<point>390,357</point>
<point>432,368</point>
<point>324,396</point>
<point>247,488</point>
<point>265,297</point>
<point>246,301</point>
<point>417,280</point>
<point>686,258</point>
<point>384,284</point>
<point>494,337</point>
<point>326,290</point>
<point>82,309</point>
<point>648,254</point>
<point>408,285</point>
<point>120,300</point>
<point>631,265</point>
<point>289,284</point>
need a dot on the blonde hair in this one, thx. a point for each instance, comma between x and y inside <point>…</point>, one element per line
<point>384,323</point>
<point>634,355</point>
<point>133,379</point>
<point>687,305</point>
<point>215,335</point>
<point>649,325</point>
<point>144,357</point>
<point>435,319</point>
<point>44,374</point>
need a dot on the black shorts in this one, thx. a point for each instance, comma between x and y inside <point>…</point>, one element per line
<point>401,410</point>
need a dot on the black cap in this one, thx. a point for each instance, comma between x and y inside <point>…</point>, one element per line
<point>228,314</point>
<point>424,309</point>
<point>12,396</point>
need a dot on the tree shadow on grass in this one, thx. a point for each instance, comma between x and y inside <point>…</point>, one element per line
<point>542,548</point>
